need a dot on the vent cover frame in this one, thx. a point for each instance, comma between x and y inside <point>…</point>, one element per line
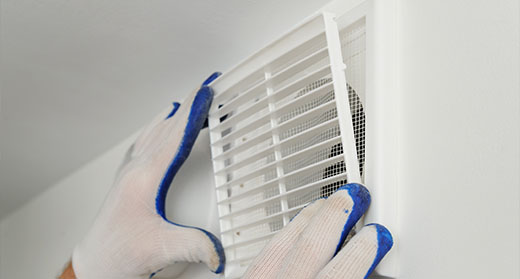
<point>265,71</point>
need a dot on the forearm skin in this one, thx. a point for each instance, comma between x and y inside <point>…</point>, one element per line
<point>68,273</point>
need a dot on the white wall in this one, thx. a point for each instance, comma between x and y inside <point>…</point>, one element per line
<point>2,250</point>
<point>40,236</point>
<point>459,139</point>
<point>458,155</point>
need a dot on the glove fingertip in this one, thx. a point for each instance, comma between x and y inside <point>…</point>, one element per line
<point>385,242</point>
<point>384,237</point>
<point>219,249</point>
<point>361,198</point>
<point>200,108</point>
<point>211,78</point>
<point>360,195</point>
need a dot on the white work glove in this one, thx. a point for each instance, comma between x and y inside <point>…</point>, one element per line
<point>311,245</point>
<point>132,237</point>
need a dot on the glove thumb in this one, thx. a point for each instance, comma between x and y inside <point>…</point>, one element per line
<point>190,244</point>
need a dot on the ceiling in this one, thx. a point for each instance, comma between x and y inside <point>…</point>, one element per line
<point>78,76</point>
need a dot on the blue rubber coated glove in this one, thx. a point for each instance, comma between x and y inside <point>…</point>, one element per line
<point>312,244</point>
<point>132,237</point>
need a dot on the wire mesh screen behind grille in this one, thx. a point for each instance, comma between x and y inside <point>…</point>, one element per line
<point>277,141</point>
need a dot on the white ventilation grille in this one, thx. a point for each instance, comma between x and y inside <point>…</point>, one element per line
<point>286,128</point>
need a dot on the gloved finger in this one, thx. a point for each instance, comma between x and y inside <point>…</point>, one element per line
<point>360,255</point>
<point>269,262</point>
<point>156,132</point>
<point>207,82</point>
<point>183,129</point>
<point>180,243</point>
<point>326,232</point>
<point>211,78</point>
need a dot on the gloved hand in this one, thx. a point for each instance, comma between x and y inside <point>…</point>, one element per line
<point>310,246</point>
<point>132,237</point>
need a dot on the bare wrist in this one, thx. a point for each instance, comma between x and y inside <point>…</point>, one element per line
<point>68,273</point>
